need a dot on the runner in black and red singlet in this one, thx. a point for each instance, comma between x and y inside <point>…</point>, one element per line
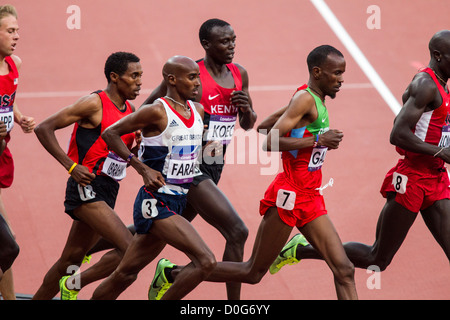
<point>94,172</point>
<point>172,130</point>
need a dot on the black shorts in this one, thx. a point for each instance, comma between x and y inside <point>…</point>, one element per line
<point>209,171</point>
<point>102,188</point>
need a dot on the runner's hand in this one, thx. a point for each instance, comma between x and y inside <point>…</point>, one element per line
<point>331,138</point>
<point>27,124</point>
<point>153,180</point>
<point>3,130</point>
<point>82,175</point>
<point>241,101</point>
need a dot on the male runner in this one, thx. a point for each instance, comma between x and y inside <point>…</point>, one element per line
<point>224,95</point>
<point>9,114</point>
<point>172,130</point>
<point>94,174</point>
<point>294,197</point>
<point>419,181</point>
<point>9,249</point>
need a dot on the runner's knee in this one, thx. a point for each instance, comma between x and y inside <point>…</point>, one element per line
<point>237,235</point>
<point>381,264</point>
<point>9,254</point>
<point>207,263</point>
<point>124,278</point>
<point>255,276</point>
<point>344,273</point>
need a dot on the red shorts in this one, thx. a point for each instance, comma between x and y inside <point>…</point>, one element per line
<point>295,208</point>
<point>6,169</point>
<point>415,189</point>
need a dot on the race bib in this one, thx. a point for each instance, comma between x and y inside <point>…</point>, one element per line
<point>317,158</point>
<point>221,128</point>
<point>86,193</point>
<point>399,182</point>
<point>115,167</point>
<point>182,165</point>
<point>149,209</point>
<point>7,116</point>
<point>286,199</point>
<point>445,137</point>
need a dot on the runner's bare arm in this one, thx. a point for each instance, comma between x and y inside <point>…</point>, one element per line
<point>242,100</point>
<point>300,106</point>
<point>151,119</point>
<point>87,108</point>
<point>420,94</point>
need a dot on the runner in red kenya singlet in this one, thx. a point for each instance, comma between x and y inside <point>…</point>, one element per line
<point>221,114</point>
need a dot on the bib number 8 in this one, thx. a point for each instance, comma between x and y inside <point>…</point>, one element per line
<point>399,182</point>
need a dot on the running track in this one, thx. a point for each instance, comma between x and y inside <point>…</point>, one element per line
<point>274,37</point>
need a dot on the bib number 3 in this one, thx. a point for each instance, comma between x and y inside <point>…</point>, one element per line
<point>149,209</point>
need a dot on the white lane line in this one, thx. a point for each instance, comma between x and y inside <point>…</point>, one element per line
<point>62,94</point>
<point>359,57</point>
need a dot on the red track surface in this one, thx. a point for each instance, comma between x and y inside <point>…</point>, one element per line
<point>274,39</point>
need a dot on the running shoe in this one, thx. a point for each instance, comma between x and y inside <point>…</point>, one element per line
<point>87,259</point>
<point>160,284</point>
<point>288,253</point>
<point>67,294</point>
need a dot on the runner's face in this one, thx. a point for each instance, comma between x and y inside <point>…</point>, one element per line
<point>129,84</point>
<point>222,44</point>
<point>444,63</point>
<point>332,72</point>
<point>8,35</point>
<point>188,81</point>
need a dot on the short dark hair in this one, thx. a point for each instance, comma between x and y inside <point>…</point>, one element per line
<point>319,55</point>
<point>118,62</point>
<point>207,26</point>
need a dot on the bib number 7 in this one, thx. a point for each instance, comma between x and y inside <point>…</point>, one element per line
<point>286,199</point>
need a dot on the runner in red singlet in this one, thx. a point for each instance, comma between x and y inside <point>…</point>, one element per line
<point>419,181</point>
<point>94,172</point>
<point>9,114</point>
<point>305,112</point>
<point>224,95</point>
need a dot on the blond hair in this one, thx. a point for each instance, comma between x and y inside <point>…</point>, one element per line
<point>7,10</point>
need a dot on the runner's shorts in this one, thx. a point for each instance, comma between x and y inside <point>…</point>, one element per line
<point>415,189</point>
<point>102,188</point>
<point>6,169</point>
<point>295,208</point>
<point>209,171</point>
<point>150,206</point>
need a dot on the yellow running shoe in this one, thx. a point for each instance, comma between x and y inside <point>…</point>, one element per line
<point>288,253</point>
<point>67,294</point>
<point>160,284</point>
<point>87,259</point>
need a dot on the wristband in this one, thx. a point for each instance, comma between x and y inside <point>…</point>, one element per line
<point>438,152</point>
<point>316,140</point>
<point>72,167</point>
<point>129,157</point>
